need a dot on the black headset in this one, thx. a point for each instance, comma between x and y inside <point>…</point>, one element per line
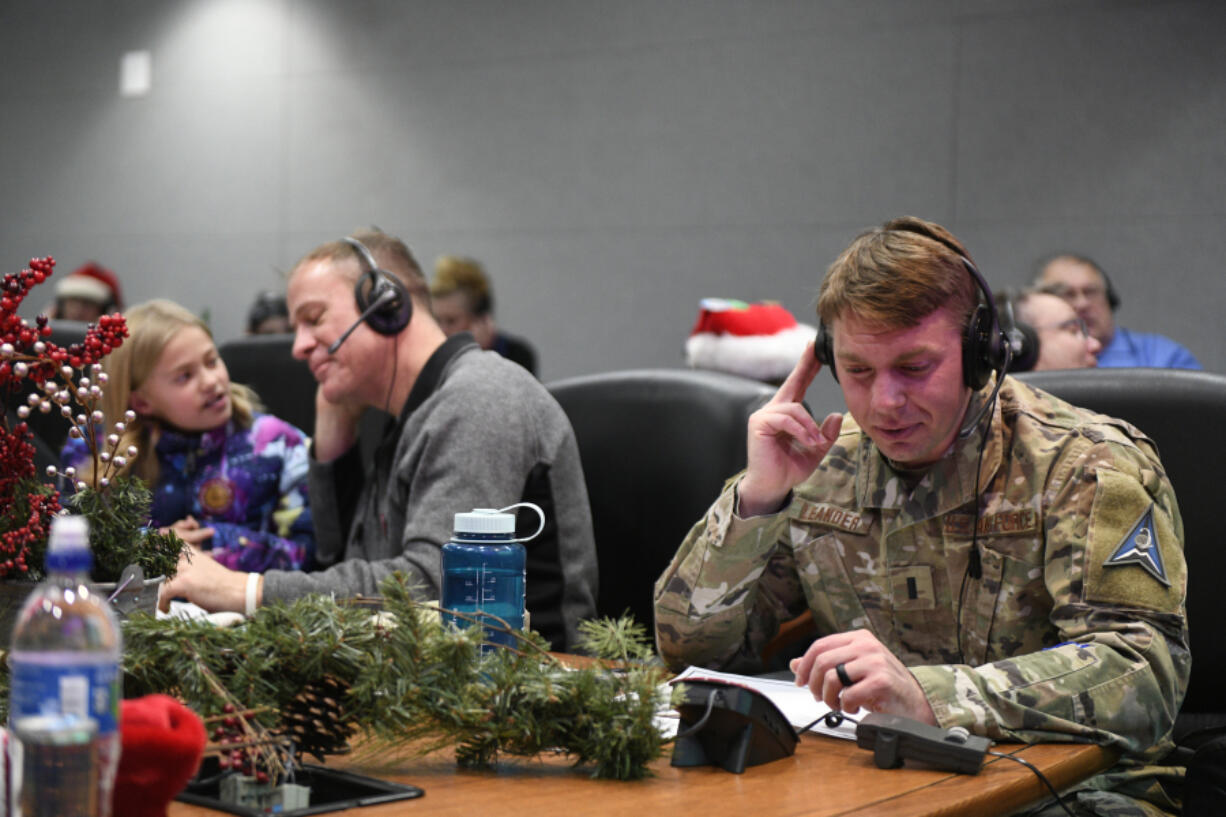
<point>1023,339</point>
<point>383,301</point>
<point>1113,300</point>
<point>985,349</point>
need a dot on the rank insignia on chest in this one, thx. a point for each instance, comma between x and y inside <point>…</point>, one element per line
<point>1140,547</point>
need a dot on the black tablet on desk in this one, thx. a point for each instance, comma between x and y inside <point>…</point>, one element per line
<point>331,790</point>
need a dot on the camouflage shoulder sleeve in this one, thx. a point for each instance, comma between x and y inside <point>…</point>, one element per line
<point>1114,569</point>
<point>729,585</point>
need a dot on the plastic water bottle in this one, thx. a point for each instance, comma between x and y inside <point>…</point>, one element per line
<point>483,571</point>
<point>66,654</point>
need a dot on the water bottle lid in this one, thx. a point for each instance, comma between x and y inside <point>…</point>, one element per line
<point>68,545</point>
<point>485,520</point>
<point>68,533</point>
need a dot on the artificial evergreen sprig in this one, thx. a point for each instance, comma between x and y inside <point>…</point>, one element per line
<point>118,516</point>
<point>623,639</point>
<point>409,681</point>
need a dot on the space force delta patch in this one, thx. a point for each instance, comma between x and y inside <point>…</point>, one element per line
<point>1133,552</point>
<point>1140,547</point>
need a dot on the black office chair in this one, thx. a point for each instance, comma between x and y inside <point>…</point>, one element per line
<point>656,446</point>
<point>1182,411</point>
<point>285,385</point>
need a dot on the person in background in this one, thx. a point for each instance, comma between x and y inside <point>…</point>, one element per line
<point>268,315</point>
<point>974,552</point>
<point>471,430</point>
<point>225,478</point>
<point>86,294</point>
<point>1088,290</point>
<point>462,301</point>
<point>1064,341</point>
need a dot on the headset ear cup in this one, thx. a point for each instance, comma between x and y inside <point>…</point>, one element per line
<point>823,350</point>
<point>976,349</point>
<point>1023,346</point>
<point>394,315</point>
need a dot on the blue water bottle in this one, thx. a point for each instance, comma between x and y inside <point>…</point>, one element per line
<point>483,572</point>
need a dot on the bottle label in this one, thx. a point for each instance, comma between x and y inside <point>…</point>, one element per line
<point>43,685</point>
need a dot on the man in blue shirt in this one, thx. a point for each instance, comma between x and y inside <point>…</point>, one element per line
<point>1088,290</point>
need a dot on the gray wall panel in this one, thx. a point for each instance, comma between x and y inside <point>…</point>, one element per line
<point>613,163</point>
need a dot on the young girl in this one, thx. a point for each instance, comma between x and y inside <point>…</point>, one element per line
<point>225,477</point>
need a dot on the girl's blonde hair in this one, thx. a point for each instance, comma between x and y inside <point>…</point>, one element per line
<point>150,327</point>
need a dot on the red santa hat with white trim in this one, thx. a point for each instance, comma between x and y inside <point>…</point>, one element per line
<point>92,282</point>
<point>759,340</point>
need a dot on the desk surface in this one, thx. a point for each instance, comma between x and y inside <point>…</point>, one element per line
<point>826,777</point>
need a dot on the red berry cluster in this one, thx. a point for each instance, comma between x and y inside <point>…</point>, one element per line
<point>14,330</point>
<point>231,730</point>
<point>101,339</point>
<point>24,521</point>
<point>25,511</point>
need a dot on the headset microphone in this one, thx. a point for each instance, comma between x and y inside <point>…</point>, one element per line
<point>385,297</point>
<point>970,427</point>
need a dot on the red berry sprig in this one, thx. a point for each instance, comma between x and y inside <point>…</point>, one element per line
<point>25,353</point>
<point>23,523</point>
<point>15,332</point>
<point>238,739</point>
<point>242,746</point>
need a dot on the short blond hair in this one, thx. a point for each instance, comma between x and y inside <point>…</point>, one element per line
<point>392,254</point>
<point>455,273</point>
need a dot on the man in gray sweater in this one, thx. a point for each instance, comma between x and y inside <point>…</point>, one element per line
<point>472,431</point>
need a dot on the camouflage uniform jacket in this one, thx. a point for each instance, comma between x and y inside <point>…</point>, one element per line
<point>1068,635</point>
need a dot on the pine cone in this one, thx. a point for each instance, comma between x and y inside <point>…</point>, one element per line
<point>317,721</point>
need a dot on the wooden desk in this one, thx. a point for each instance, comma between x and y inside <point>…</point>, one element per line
<point>826,777</point>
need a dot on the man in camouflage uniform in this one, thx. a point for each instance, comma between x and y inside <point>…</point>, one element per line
<point>1008,563</point>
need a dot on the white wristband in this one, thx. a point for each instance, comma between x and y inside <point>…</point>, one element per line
<point>253,586</point>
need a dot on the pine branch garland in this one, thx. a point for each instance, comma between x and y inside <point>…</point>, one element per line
<point>408,681</point>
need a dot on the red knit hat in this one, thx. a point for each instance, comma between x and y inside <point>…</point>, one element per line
<point>162,744</point>
<point>92,282</point>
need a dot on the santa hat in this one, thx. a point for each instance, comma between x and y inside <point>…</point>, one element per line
<point>760,340</point>
<point>162,744</point>
<point>91,282</point>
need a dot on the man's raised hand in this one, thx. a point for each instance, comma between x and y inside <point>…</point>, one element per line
<point>785,444</point>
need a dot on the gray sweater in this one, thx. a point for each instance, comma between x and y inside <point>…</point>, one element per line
<point>476,432</point>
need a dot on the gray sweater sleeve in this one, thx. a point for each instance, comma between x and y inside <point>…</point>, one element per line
<point>364,567</point>
<point>468,446</point>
